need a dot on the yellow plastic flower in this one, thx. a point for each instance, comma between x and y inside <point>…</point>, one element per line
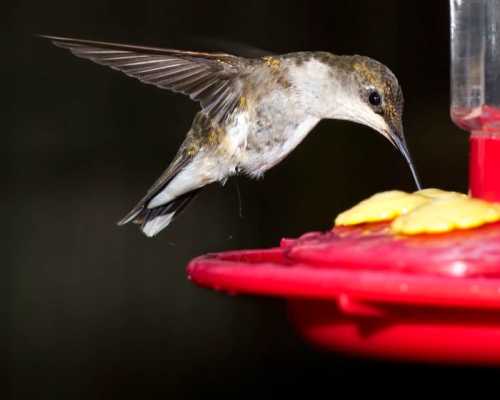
<point>447,214</point>
<point>383,206</point>
<point>425,211</point>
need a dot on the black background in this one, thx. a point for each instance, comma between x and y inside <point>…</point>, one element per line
<point>97,311</point>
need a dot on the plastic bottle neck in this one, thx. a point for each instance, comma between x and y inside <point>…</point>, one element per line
<point>484,166</point>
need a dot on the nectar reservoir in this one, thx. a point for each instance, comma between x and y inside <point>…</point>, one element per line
<point>475,89</point>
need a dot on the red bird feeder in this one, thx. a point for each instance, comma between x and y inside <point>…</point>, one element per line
<point>364,291</point>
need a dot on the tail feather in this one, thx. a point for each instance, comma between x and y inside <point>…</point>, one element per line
<point>131,215</point>
<point>153,220</point>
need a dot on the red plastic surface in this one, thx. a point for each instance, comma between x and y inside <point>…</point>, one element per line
<point>484,160</point>
<point>364,291</point>
<point>433,334</point>
<point>484,168</point>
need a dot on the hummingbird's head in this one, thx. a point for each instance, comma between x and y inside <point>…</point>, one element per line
<point>367,92</point>
<point>380,102</point>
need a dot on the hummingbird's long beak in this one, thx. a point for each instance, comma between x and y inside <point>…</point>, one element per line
<point>398,140</point>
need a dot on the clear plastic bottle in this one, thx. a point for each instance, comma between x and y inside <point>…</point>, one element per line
<point>475,64</point>
<point>475,88</point>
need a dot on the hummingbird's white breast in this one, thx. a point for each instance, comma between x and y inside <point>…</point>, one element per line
<point>276,127</point>
<point>264,153</point>
<point>281,116</point>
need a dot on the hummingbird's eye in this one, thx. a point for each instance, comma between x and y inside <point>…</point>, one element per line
<point>374,98</point>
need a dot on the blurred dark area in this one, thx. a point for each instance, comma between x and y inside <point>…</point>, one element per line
<point>98,311</point>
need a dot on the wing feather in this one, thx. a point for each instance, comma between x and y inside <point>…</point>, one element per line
<point>215,80</point>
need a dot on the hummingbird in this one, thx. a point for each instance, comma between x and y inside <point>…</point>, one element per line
<point>254,111</point>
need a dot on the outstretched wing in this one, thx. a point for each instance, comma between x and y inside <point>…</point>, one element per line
<point>212,79</point>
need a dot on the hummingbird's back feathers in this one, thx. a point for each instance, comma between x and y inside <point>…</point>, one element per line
<point>212,79</point>
<point>220,44</point>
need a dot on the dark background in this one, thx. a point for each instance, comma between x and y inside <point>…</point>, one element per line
<point>97,311</point>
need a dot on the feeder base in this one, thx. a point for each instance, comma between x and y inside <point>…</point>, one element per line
<point>403,334</point>
<point>362,291</point>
